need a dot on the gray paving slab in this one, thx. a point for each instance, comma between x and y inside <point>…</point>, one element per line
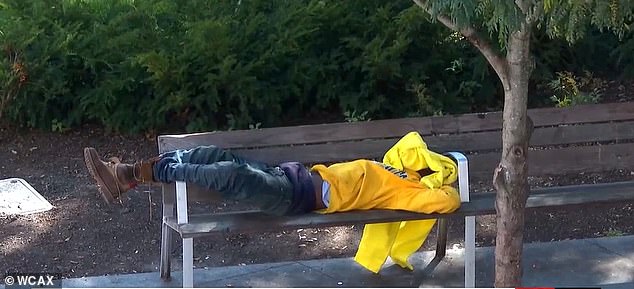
<point>290,275</point>
<point>604,262</point>
<point>615,245</point>
<point>578,263</point>
<point>204,277</point>
<point>450,272</point>
<point>347,273</point>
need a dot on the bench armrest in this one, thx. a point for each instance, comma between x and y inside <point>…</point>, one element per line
<point>469,242</point>
<point>463,174</point>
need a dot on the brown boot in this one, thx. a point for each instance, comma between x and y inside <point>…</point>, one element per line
<point>144,170</point>
<point>115,178</point>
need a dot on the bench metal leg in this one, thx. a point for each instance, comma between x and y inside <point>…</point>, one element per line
<point>441,247</point>
<point>166,243</point>
<point>188,263</point>
<point>469,252</point>
<point>441,251</point>
<point>441,240</point>
<point>188,243</point>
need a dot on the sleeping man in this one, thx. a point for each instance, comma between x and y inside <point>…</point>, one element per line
<point>410,177</point>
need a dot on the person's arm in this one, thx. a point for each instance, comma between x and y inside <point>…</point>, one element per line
<point>443,200</point>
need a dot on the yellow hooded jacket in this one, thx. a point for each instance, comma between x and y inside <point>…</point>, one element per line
<point>393,184</point>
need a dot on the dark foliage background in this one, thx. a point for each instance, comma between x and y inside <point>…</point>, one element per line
<point>135,66</point>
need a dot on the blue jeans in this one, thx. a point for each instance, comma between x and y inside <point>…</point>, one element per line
<point>233,176</point>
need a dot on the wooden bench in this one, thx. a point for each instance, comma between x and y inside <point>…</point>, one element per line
<point>590,138</point>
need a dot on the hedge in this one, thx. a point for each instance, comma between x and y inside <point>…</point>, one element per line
<point>200,65</point>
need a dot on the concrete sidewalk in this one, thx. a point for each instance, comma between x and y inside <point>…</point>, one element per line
<point>604,262</point>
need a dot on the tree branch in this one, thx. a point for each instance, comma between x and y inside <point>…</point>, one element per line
<point>497,61</point>
<point>531,10</point>
<point>523,5</point>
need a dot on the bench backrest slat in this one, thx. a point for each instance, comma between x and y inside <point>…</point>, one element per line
<point>562,160</point>
<point>471,142</point>
<point>575,134</point>
<point>394,128</point>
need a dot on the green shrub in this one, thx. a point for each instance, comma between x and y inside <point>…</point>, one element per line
<point>571,90</point>
<point>200,65</point>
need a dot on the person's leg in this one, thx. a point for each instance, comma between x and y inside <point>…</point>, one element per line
<point>209,155</point>
<point>233,177</point>
<point>268,188</point>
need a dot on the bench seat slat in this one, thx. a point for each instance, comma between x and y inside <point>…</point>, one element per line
<point>481,204</point>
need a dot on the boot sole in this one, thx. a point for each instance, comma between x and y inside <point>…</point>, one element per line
<point>90,155</point>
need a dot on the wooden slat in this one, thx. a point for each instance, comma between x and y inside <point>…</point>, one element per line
<point>369,149</point>
<point>394,128</point>
<point>195,193</point>
<point>589,113</point>
<point>471,142</point>
<point>562,160</point>
<point>481,204</point>
<point>582,159</point>
<point>331,152</point>
<point>345,151</point>
<point>323,153</point>
<point>310,134</point>
<point>545,136</point>
<point>615,131</point>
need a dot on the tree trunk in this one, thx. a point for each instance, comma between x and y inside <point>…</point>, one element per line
<point>510,177</point>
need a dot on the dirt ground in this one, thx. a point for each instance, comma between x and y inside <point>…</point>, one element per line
<point>82,236</point>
